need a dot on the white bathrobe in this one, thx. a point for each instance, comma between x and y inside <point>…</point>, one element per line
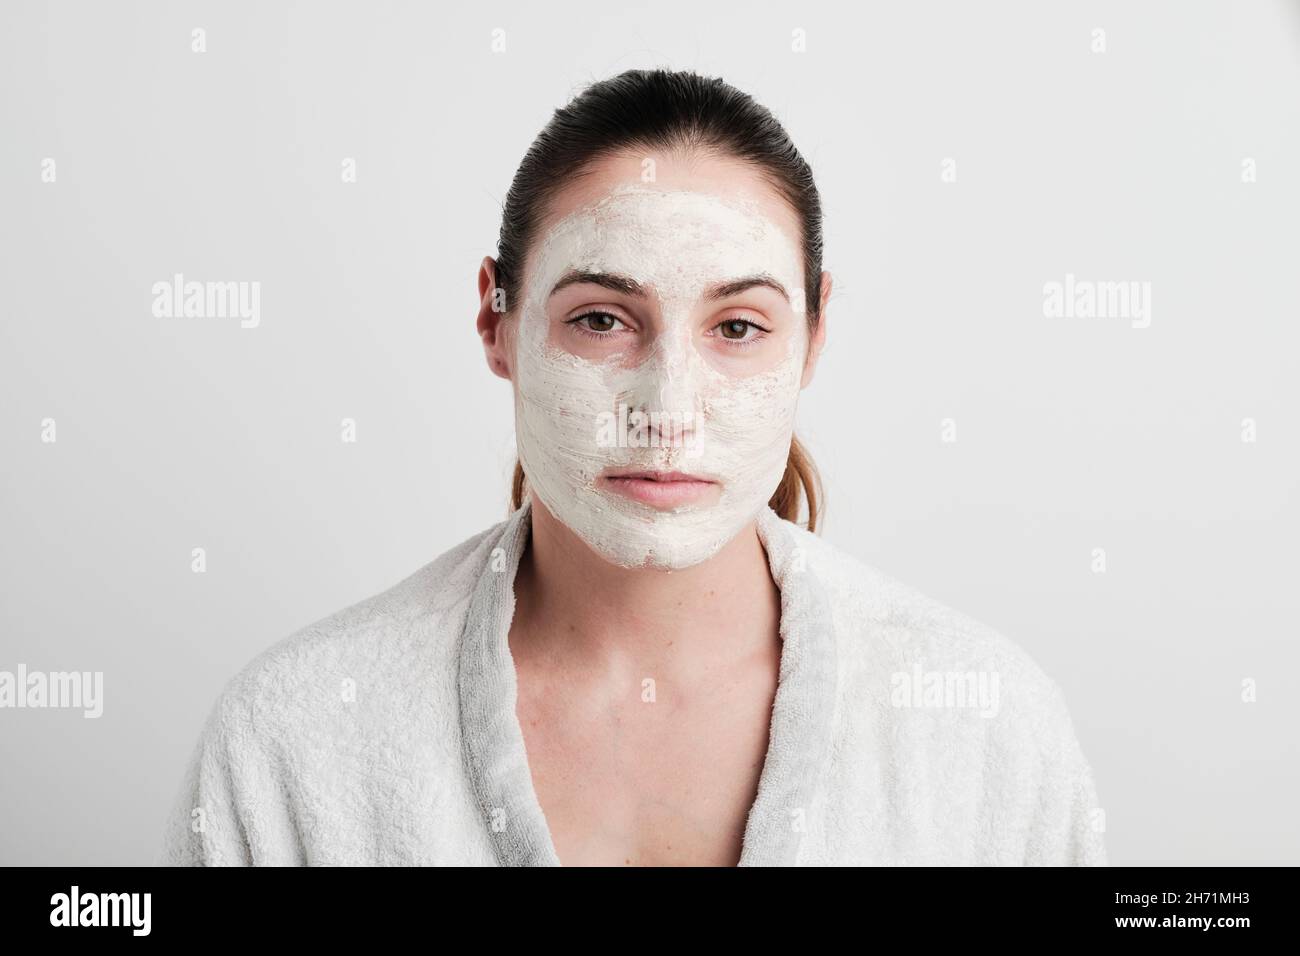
<point>386,734</point>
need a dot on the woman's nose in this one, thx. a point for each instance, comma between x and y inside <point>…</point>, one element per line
<point>667,384</point>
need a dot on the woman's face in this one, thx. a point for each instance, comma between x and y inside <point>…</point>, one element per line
<point>660,350</point>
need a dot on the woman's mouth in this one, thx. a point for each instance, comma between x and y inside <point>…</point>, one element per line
<point>661,489</point>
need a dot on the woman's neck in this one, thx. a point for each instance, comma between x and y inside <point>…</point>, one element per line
<point>577,609</point>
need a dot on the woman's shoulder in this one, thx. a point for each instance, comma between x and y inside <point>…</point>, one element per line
<point>949,699</point>
<point>876,608</point>
<point>390,639</point>
<point>317,700</point>
<point>890,635</point>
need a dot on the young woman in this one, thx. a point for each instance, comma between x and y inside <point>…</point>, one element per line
<point>648,661</point>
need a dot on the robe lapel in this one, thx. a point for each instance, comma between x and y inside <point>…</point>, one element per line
<point>800,730</point>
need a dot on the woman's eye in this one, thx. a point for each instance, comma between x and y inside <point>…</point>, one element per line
<point>738,331</point>
<point>596,323</point>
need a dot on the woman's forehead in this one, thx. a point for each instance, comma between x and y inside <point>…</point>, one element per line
<point>699,170</point>
<point>676,239</point>
<point>707,175</point>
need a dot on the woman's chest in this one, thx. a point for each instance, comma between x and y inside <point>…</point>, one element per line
<point>641,780</point>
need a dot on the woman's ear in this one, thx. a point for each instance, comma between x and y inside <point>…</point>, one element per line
<point>819,333</point>
<point>491,310</point>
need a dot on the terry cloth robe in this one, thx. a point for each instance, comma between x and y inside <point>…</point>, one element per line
<point>386,734</point>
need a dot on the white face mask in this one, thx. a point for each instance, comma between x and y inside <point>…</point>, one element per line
<point>573,415</point>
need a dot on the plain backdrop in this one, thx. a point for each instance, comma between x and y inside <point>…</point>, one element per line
<point>1071,434</point>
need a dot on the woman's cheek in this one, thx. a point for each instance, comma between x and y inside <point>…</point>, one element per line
<point>561,399</point>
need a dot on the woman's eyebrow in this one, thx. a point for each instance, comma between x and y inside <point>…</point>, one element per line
<point>737,286</point>
<point>629,286</point>
<point>608,280</point>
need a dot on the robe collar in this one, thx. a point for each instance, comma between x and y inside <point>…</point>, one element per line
<point>792,779</point>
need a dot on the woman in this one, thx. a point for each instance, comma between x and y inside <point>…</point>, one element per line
<point>648,662</point>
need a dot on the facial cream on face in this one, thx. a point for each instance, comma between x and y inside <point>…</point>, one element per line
<point>736,428</point>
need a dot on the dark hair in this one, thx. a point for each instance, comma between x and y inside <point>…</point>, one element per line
<point>666,110</point>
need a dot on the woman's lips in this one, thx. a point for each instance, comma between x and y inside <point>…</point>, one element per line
<point>660,489</point>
